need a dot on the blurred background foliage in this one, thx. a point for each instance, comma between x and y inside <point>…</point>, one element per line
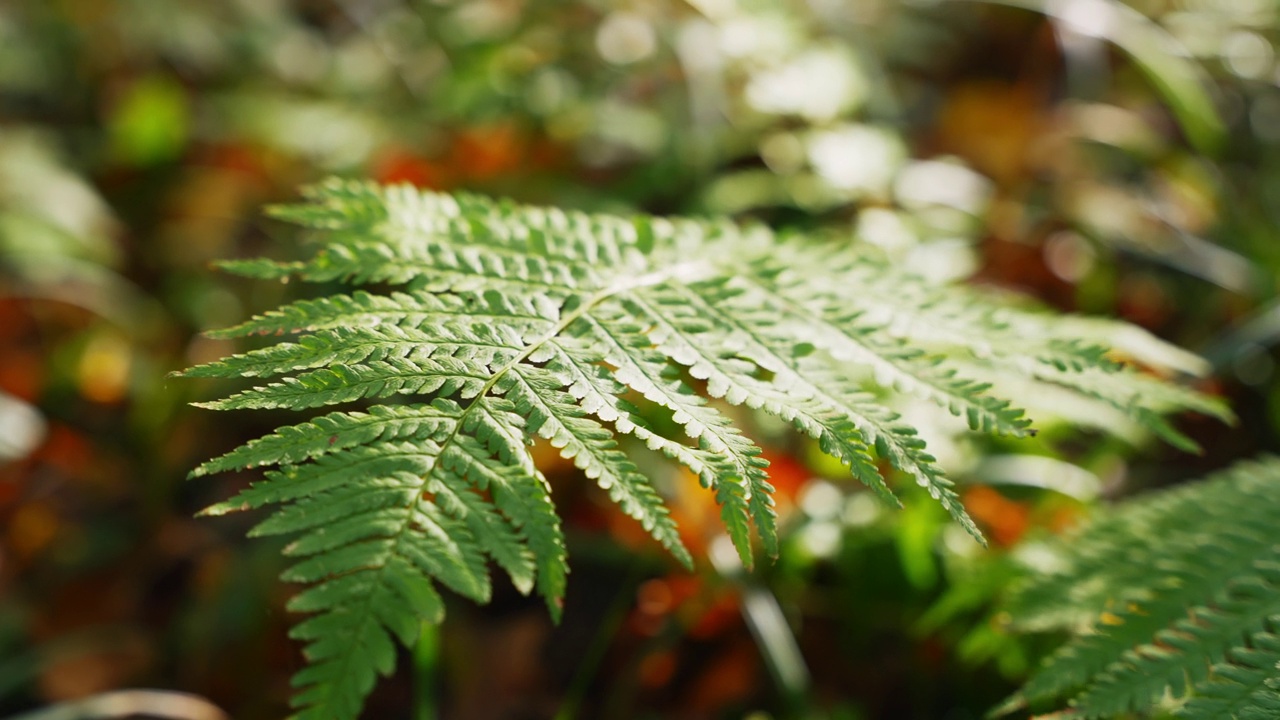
<point>1106,158</point>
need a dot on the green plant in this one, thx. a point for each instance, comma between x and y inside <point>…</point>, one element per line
<point>516,323</point>
<point>1176,592</point>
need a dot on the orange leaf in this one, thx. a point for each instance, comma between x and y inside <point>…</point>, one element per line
<point>1003,518</point>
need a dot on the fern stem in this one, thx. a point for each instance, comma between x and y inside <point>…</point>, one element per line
<point>426,666</point>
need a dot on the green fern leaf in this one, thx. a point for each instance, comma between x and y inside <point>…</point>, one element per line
<point>785,297</point>
<point>1176,585</point>
<point>338,431</point>
<point>347,383</point>
<point>1145,671</point>
<point>509,323</point>
<point>353,346</point>
<point>520,493</point>
<point>416,310</point>
<point>555,416</point>
<point>1245,688</point>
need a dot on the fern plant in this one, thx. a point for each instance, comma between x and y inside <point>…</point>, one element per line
<point>510,323</point>
<point>1176,594</point>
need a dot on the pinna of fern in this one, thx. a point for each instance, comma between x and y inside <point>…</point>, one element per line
<point>507,323</point>
<point>1171,596</point>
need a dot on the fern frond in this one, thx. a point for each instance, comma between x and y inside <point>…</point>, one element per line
<point>1004,340</point>
<point>1247,687</point>
<point>403,309</point>
<point>1142,398</point>
<point>441,268</point>
<point>554,415</point>
<point>1145,671</point>
<point>511,323</point>
<point>810,393</point>
<point>494,532</point>
<point>1174,584</point>
<point>640,367</point>
<point>724,455</point>
<point>371,589</point>
<point>338,431</point>
<point>786,298</point>
<point>482,344</point>
<point>521,494</point>
<point>378,379</point>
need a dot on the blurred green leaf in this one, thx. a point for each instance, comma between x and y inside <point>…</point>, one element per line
<point>151,122</point>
